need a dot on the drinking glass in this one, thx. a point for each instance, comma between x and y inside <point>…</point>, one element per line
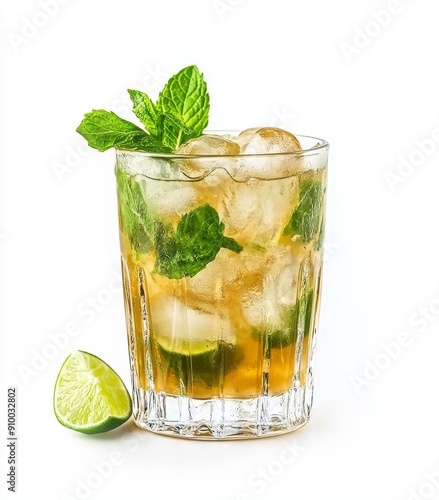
<point>222,264</point>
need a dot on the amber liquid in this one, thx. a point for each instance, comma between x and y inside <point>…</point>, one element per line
<point>236,329</point>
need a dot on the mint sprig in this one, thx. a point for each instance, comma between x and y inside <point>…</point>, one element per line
<point>181,113</point>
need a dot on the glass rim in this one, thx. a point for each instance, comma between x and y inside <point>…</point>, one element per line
<point>322,145</point>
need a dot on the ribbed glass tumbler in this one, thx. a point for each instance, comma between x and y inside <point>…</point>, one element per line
<point>222,265</point>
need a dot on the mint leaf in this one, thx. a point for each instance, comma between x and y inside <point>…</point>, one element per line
<point>197,240</point>
<point>186,95</point>
<point>135,218</point>
<point>104,130</point>
<point>172,129</point>
<point>145,111</point>
<point>306,216</point>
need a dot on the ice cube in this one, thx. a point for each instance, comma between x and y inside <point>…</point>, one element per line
<point>222,271</point>
<point>259,308</point>
<point>275,294</point>
<point>285,270</point>
<point>169,200</point>
<point>216,289</point>
<point>175,321</point>
<point>206,289</point>
<point>135,163</point>
<point>220,176</point>
<point>257,211</point>
<point>267,140</point>
<point>207,145</point>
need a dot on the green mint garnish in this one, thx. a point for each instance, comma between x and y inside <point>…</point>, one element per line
<point>186,95</point>
<point>306,216</point>
<point>181,113</point>
<point>104,130</point>
<point>198,238</point>
<point>135,218</point>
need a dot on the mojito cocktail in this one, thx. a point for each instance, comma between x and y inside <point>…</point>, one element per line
<point>221,260</point>
<point>221,241</point>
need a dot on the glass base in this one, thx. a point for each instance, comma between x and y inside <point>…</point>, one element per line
<point>217,418</point>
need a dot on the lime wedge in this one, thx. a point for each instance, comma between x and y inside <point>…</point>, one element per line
<point>89,396</point>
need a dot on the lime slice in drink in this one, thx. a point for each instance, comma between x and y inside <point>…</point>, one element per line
<point>186,347</point>
<point>89,396</point>
<point>200,361</point>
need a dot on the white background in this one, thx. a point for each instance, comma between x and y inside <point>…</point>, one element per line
<point>300,65</point>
